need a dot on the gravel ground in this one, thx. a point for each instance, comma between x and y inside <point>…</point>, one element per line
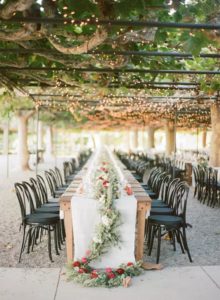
<point>203,238</point>
<point>10,236</point>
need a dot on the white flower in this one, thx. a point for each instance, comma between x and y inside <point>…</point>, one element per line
<point>97,240</point>
<point>106,221</point>
<point>102,198</point>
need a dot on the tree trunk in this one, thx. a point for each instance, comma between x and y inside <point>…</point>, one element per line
<point>135,139</point>
<point>49,151</point>
<point>215,140</point>
<point>204,137</point>
<point>141,139</point>
<point>150,137</point>
<point>170,138</point>
<point>130,140</point>
<point>23,153</point>
<point>127,140</point>
<point>5,139</point>
<point>40,135</point>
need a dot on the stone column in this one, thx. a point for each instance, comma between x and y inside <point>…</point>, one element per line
<point>49,143</point>
<point>135,139</point>
<point>170,137</point>
<point>40,135</point>
<point>5,138</point>
<point>150,137</point>
<point>204,137</point>
<point>127,140</point>
<point>215,140</point>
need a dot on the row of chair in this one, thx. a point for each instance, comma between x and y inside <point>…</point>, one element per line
<point>168,213</point>
<point>40,211</point>
<point>207,187</point>
<point>40,214</point>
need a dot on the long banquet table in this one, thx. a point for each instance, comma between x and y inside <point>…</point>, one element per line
<point>143,209</point>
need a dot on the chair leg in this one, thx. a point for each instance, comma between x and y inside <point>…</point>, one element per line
<point>179,240</point>
<point>158,243</point>
<point>49,244</point>
<point>34,239</point>
<point>29,239</point>
<point>152,232</point>
<point>186,244</point>
<point>23,243</point>
<point>173,240</point>
<point>56,238</point>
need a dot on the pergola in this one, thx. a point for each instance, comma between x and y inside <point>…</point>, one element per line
<point>117,64</point>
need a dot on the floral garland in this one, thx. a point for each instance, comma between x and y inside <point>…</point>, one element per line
<point>106,192</point>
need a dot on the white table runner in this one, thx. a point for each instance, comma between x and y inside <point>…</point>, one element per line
<point>85,216</point>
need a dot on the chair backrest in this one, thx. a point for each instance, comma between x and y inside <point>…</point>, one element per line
<point>152,175</point>
<point>66,170</point>
<point>38,192</point>
<point>164,187</point>
<point>181,197</point>
<point>195,173</point>
<point>157,180</point>
<point>50,183</point>
<point>24,204</point>
<point>43,187</point>
<point>171,191</point>
<point>55,179</point>
<point>32,195</point>
<point>59,176</point>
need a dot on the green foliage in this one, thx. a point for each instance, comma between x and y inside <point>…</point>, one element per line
<point>9,103</point>
<point>166,39</point>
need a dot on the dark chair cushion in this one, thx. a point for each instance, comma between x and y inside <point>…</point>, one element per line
<point>42,218</point>
<point>161,211</point>
<point>165,220</point>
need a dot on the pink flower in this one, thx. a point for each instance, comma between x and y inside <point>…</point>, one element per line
<point>88,252</point>
<point>111,275</point>
<point>76,264</point>
<point>84,260</point>
<point>105,183</point>
<point>129,264</point>
<point>82,270</point>
<point>94,275</point>
<point>108,270</point>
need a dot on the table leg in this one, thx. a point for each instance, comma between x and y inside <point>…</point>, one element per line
<point>69,234</point>
<point>141,216</point>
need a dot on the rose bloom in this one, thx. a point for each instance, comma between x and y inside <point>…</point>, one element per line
<point>120,271</point>
<point>105,183</point>
<point>84,260</point>
<point>108,270</point>
<point>130,264</point>
<point>81,270</point>
<point>88,252</point>
<point>94,275</point>
<point>76,264</point>
<point>111,275</point>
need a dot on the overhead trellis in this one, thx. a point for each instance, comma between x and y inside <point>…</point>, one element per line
<point>113,48</point>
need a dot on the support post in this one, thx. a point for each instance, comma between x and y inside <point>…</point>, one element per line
<point>150,137</point>
<point>170,137</point>
<point>37,138</point>
<point>215,140</point>
<point>204,137</point>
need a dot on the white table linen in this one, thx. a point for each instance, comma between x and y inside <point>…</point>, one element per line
<point>85,216</point>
